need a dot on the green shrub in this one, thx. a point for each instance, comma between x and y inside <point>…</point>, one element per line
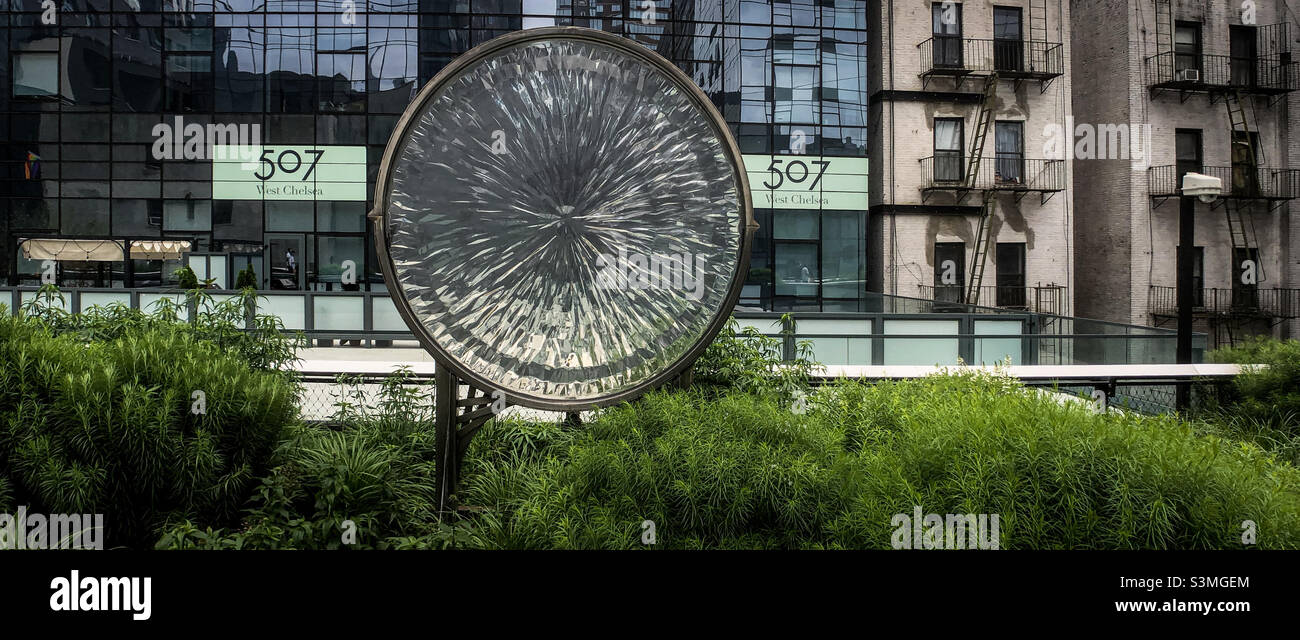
<point>746,360</point>
<point>114,426</point>
<point>247,278</point>
<point>737,471</point>
<point>185,278</point>
<point>1269,393</point>
<point>266,345</point>
<point>375,470</point>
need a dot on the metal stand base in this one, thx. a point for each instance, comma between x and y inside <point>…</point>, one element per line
<point>456,420</point>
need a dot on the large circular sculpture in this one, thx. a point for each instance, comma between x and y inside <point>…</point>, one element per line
<point>561,214</point>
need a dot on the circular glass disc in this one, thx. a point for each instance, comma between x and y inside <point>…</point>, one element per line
<point>565,217</point>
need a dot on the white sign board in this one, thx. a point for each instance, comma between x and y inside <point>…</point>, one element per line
<point>287,172</point>
<point>807,182</point>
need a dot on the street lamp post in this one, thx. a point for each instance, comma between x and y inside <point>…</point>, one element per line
<point>1206,189</point>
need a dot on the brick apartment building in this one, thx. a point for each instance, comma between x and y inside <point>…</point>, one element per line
<point>969,199</point>
<point>1212,84</point>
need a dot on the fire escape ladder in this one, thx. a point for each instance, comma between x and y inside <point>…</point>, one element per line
<point>1164,27</point>
<point>1246,159</point>
<point>1037,29</point>
<point>982,123</point>
<point>1238,123</point>
<point>980,257</point>
<point>1241,230</point>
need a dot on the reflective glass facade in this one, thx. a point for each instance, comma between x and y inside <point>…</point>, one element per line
<point>110,115</point>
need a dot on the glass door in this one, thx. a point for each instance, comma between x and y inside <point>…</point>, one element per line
<point>283,261</point>
<point>1008,39</point>
<point>946,20</point>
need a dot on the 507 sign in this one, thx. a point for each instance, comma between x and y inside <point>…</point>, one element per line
<point>796,171</point>
<point>283,172</point>
<point>827,183</point>
<point>294,163</point>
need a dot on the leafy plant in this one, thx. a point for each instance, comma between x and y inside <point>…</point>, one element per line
<point>185,278</point>
<point>372,473</point>
<point>246,279</point>
<point>749,361</point>
<point>140,426</point>
<point>733,470</point>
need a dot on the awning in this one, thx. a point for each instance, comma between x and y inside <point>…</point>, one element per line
<point>72,250</point>
<point>159,249</point>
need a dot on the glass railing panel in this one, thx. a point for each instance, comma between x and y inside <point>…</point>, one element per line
<point>290,308</point>
<point>104,298</point>
<point>991,351</point>
<point>338,313</point>
<point>922,351</point>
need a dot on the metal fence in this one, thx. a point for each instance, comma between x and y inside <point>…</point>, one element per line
<point>1011,58</point>
<point>1273,303</point>
<point>1239,181</point>
<point>892,330</point>
<point>1006,172</point>
<point>1271,74</point>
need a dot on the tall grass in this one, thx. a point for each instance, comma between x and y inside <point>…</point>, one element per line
<point>142,419</point>
<point>740,472</point>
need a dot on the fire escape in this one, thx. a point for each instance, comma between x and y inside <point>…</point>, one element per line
<point>1260,68</point>
<point>992,60</point>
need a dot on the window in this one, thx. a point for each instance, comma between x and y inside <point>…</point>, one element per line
<point>36,74</point>
<point>1245,161</point>
<point>949,157</point>
<point>1198,275</point>
<point>342,79</point>
<point>946,24</point>
<point>1187,143</point>
<point>1011,274</point>
<point>189,82</point>
<point>949,271</point>
<point>1187,47</point>
<point>1244,56</point>
<point>1010,149</point>
<point>1008,39</point>
<point>843,269</point>
<point>1245,278</point>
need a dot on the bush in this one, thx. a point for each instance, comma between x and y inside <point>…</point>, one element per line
<point>748,361</point>
<point>265,345</point>
<point>113,425</point>
<point>185,278</point>
<point>737,471</point>
<point>374,471</point>
<point>1270,392</point>
<point>247,278</point>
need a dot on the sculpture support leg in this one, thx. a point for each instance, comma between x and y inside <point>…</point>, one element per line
<point>445,440</point>
<point>456,420</point>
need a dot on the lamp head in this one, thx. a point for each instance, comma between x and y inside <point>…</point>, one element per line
<point>1206,188</point>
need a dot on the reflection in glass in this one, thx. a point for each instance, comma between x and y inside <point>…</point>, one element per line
<point>528,184</point>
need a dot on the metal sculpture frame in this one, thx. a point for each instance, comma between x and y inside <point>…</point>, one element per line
<point>458,419</point>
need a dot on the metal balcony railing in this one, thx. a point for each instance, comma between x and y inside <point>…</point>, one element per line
<point>1241,182</point>
<point>1272,75</point>
<point>1270,303</point>
<point>957,56</point>
<point>893,331</point>
<point>1006,172</point>
<point>1038,299</point>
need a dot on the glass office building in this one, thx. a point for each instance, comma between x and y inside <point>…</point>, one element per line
<point>112,112</point>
